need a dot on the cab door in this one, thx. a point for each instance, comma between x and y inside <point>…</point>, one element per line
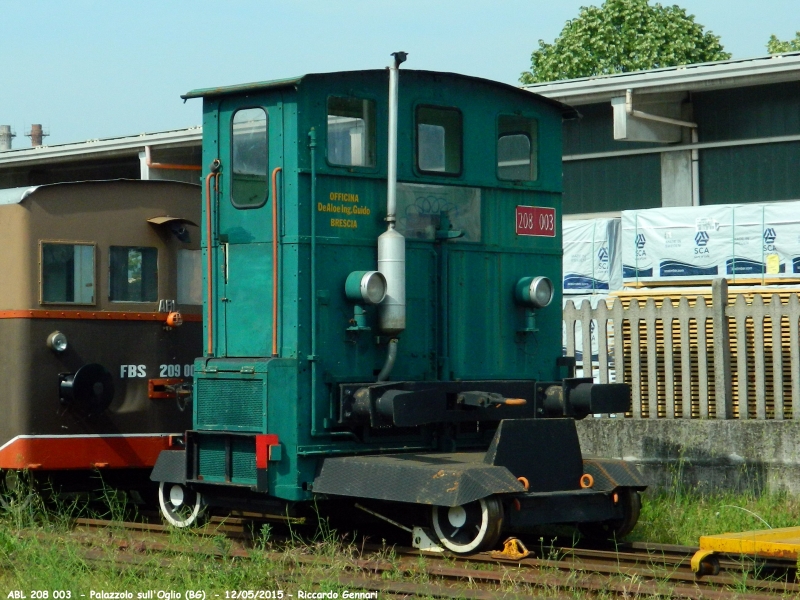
<point>250,135</point>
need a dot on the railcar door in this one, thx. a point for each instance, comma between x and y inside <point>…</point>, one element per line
<point>251,147</point>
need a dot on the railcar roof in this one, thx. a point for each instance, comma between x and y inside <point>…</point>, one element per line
<point>16,195</point>
<point>567,111</point>
<point>19,194</point>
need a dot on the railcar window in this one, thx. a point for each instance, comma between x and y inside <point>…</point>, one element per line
<point>517,148</point>
<point>134,274</point>
<point>439,134</point>
<point>67,273</point>
<point>190,277</point>
<point>351,132</point>
<point>250,158</point>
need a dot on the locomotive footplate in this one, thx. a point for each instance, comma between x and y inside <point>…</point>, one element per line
<point>443,479</point>
<point>527,458</point>
<point>575,506</point>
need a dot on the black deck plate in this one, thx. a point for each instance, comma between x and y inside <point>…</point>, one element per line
<point>436,478</point>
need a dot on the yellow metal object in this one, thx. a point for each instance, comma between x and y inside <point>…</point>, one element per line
<point>704,562</point>
<point>766,543</point>
<point>513,549</point>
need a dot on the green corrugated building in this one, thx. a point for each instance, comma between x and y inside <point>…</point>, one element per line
<point>714,133</point>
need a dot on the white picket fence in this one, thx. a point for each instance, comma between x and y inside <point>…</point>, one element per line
<point>694,358</point>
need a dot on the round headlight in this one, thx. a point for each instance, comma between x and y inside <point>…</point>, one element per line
<point>57,341</point>
<point>365,287</point>
<point>534,291</point>
<point>541,292</point>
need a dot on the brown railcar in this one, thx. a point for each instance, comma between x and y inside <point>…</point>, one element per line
<point>95,278</point>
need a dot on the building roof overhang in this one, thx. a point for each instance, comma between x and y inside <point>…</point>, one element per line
<point>725,74</point>
<point>118,147</point>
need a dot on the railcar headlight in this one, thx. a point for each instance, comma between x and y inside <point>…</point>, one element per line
<point>534,291</point>
<point>368,287</point>
<point>57,341</point>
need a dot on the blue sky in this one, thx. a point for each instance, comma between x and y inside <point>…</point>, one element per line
<point>91,69</point>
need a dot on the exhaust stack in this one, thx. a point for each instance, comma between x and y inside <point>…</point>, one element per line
<point>6,135</point>
<point>37,134</point>
<point>392,244</point>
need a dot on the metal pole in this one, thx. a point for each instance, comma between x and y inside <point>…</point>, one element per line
<point>391,174</point>
<point>695,170</point>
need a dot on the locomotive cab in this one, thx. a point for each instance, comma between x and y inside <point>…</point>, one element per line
<point>380,319</point>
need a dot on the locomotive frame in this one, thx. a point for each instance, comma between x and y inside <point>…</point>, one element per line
<point>434,379</point>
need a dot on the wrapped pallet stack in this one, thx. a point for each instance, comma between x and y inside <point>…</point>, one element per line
<point>749,243</point>
<point>592,262</point>
<point>669,257</point>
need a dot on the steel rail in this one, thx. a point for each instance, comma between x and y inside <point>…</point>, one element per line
<point>632,570</point>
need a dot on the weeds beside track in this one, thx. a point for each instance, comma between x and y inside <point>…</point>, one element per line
<point>245,562</point>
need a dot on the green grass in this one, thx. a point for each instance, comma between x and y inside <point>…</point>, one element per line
<point>681,516</point>
<point>39,552</point>
<point>44,556</point>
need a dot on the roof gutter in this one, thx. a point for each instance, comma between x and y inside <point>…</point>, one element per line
<point>695,155</point>
<point>648,117</point>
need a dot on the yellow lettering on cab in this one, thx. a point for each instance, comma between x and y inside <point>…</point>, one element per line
<point>344,223</point>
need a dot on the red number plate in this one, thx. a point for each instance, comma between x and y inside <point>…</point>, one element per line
<point>536,220</point>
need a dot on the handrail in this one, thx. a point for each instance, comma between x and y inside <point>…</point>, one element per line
<point>209,258</point>
<point>275,261</point>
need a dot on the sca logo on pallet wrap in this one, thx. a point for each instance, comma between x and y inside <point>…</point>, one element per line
<point>781,239</point>
<point>760,241</point>
<point>765,241</point>
<point>591,256</point>
<point>670,243</point>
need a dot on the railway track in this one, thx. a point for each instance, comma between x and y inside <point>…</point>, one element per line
<point>629,570</point>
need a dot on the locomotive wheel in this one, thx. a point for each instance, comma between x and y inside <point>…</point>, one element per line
<point>616,529</point>
<point>469,528</point>
<point>180,505</point>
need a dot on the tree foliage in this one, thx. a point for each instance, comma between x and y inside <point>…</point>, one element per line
<point>776,46</point>
<point>622,36</point>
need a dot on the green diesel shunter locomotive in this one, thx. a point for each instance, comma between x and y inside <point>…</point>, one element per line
<point>380,318</point>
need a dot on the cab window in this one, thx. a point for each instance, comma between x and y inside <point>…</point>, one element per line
<point>439,140</point>
<point>67,273</point>
<point>250,158</point>
<point>517,148</point>
<point>134,274</point>
<point>351,132</point>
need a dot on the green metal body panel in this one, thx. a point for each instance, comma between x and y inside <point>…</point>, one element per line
<point>594,132</point>
<point>608,184</point>
<point>759,173</point>
<point>462,321</point>
<point>612,184</point>
<point>748,112</point>
<point>740,174</point>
